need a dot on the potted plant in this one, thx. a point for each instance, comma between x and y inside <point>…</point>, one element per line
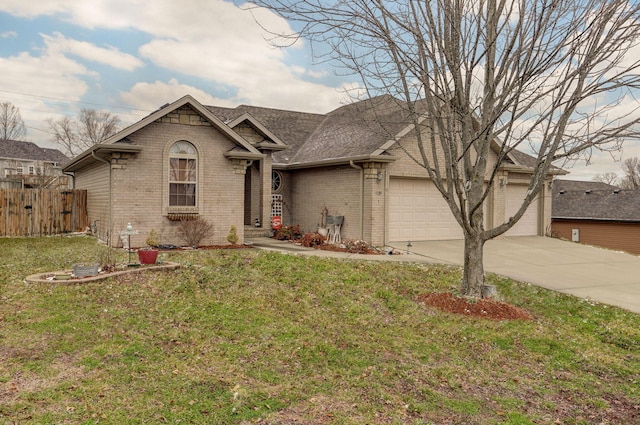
<point>149,254</point>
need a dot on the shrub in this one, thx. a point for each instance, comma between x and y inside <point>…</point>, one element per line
<point>232,237</point>
<point>312,240</point>
<point>152,238</point>
<point>357,247</point>
<point>288,233</point>
<point>192,232</point>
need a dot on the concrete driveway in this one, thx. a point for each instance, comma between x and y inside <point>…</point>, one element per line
<point>601,275</point>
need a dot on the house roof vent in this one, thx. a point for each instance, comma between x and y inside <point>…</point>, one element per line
<point>616,191</point>
<point>587,191</point>
<point>562,192</point>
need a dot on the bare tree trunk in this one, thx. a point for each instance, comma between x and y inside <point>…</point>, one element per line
<point>473,276</point>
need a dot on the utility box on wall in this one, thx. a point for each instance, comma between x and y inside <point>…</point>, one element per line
<point>575,235</point>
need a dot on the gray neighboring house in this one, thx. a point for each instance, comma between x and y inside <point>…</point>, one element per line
<point>595,213</point>
<point>27,165</point>
<point>236,166</point>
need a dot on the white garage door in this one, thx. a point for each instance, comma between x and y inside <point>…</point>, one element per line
<point>418,212</point>
<point>528,223</point>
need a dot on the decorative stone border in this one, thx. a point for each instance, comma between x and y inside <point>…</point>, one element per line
<point>37,278</point>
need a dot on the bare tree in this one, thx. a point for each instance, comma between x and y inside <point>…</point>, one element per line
<point>608,178</point>
<point>631,170</point>
<point>11,124</point>
<point>89,128</point>
<point>481,75</point>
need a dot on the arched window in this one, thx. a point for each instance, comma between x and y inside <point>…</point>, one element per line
<point>183,174</point>
<point>276,181</point>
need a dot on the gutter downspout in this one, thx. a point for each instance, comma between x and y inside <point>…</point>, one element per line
<point>73,178</point>
<point>93,154</point>
<point>353,165</point>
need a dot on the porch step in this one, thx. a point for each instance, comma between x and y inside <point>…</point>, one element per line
<point>256,232</point>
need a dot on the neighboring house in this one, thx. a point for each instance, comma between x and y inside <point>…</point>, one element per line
<point>232,166</point>
<point>27,165</point>
<point>596,213</point>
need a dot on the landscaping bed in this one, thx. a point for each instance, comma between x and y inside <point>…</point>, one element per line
<point>105,274</point>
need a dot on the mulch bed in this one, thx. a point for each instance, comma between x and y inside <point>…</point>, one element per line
<point>486,308</point>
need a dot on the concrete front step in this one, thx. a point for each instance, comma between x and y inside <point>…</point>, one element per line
<point>256,232</point>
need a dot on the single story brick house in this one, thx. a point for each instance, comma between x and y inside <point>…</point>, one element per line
<point>595,213</point>
<point>236,166</point>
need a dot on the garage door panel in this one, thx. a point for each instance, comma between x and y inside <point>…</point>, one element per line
<point>528,223</point>
<point>417,211</point>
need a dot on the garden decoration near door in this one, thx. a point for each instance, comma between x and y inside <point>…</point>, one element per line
<point>334,223</point>
<point>276,212</point>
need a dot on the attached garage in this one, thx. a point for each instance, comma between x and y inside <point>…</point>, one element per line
<point>417,212</point>
<point>528,224</point>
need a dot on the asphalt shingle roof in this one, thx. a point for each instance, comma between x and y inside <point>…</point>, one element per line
<point>353,130</point>
<point>293,128</point>
<point>594,201</point>
<point>30,151</point>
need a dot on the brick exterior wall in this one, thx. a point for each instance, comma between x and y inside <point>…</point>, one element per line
<point>336,188</point>
<point>140,181</point>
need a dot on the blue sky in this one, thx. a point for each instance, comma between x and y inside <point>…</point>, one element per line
<point>132,56</point>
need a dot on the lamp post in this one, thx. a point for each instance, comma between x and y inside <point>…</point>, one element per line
<point>129,230</point>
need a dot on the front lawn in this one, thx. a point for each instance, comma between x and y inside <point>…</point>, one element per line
<point>247,336</point>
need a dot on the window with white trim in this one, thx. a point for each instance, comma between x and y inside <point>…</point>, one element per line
<point>32,170</point>
<point>183,181</point>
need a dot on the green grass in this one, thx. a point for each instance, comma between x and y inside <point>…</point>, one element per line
<point>245,336</point>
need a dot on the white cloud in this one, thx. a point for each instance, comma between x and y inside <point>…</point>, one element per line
<point>150,96</point>
<point>9,34</point>
<point>213,40</point>
<point>111,56</point>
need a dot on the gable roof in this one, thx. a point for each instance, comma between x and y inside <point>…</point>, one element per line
<point>271,141</point>
<point>292,127</point>
<point>119,142</point>
<point>14,149</point>
<point>607,203</point>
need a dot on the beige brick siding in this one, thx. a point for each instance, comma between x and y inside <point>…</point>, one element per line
<point>140,183</point>
<point>405,166</point>
<point>337,189</point>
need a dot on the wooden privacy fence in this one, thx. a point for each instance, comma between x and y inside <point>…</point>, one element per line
<point>42,212</point>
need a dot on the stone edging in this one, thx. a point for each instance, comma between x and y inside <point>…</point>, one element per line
<point>37,278</point>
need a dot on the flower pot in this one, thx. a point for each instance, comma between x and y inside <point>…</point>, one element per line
<point>147,256</point>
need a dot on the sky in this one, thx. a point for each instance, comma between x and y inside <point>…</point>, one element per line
<point>130,57</point>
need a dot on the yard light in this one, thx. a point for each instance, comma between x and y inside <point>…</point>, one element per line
<point>129,230</point>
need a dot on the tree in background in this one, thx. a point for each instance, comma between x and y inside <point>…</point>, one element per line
<point>11,124</point>
<point>553,76</point>
<point>631,170</point>
<point>89,128</point>
<point>630,178</point>
<point>608,178</point>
